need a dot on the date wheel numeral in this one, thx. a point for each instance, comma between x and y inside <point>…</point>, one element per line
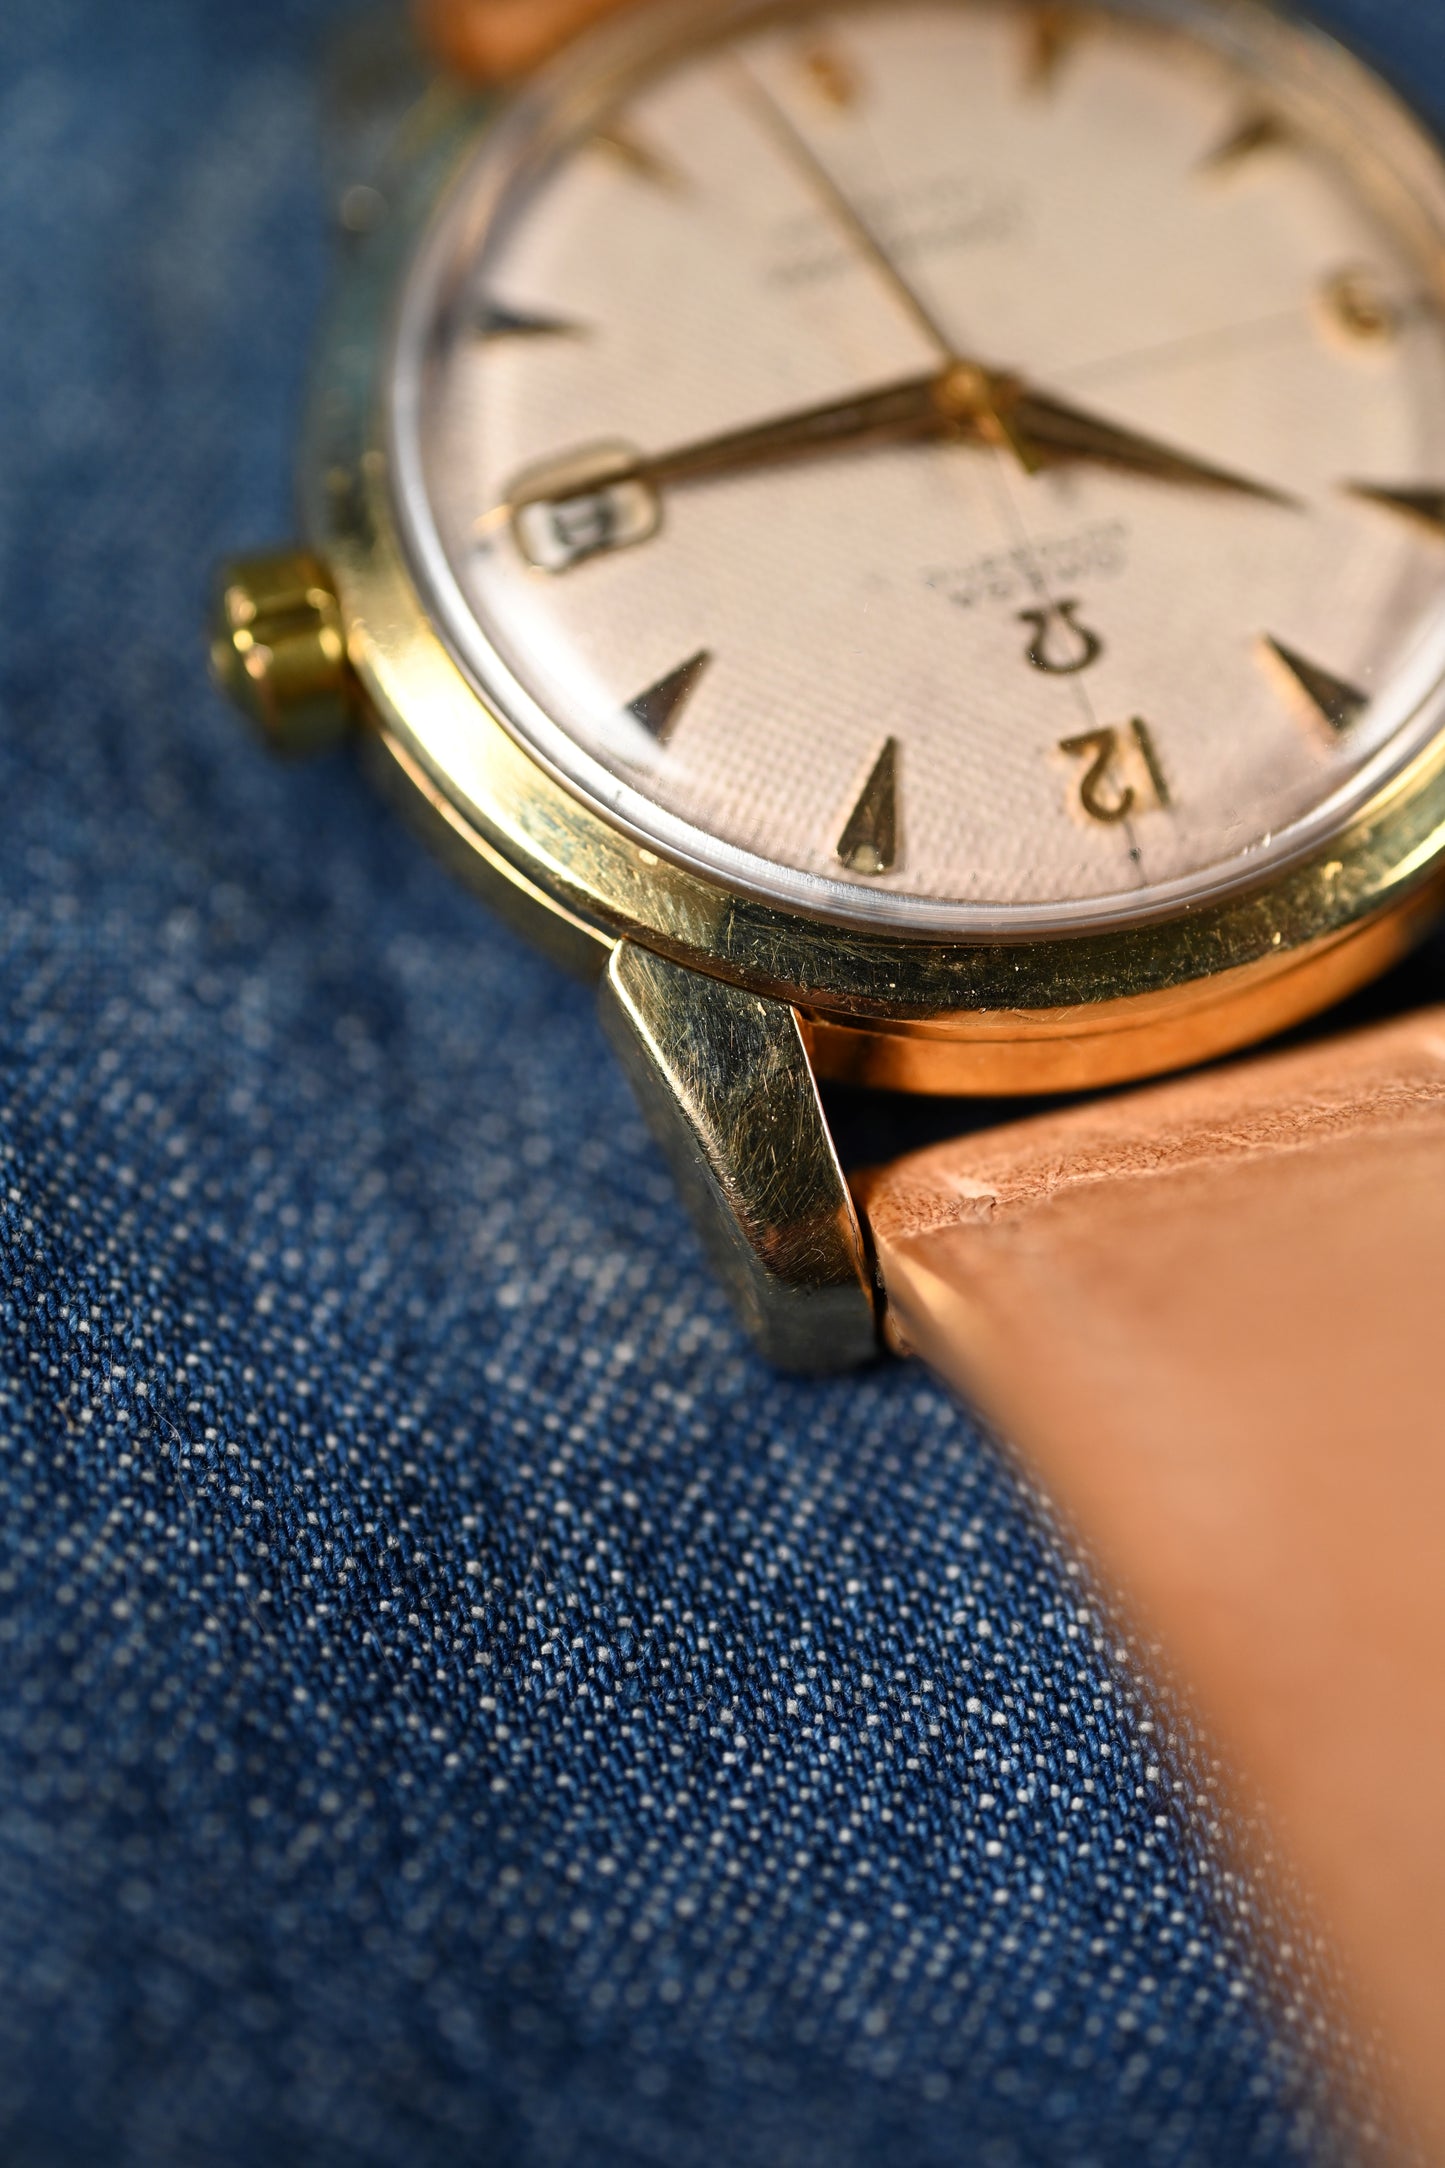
<point>584,506</point>
<point>1121,772</point>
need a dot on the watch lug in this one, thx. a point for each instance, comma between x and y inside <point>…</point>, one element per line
<point>384,101</point>
<point>374,75</point>
<point>725,1083</point>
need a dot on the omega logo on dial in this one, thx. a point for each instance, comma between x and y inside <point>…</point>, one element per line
<point>1130,316</point>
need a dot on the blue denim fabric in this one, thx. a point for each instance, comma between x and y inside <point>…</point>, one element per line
<point>455,1706</point>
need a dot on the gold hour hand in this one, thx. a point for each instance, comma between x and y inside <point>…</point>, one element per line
<point>1058,434</point>
<point>608,497</point>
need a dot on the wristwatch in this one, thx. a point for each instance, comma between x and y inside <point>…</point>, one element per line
<point>909,543</point>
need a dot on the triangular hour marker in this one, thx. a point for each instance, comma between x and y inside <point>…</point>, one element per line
<point>1426,506</point>
<point>1255,133</point>
<point>494,320</point>
<point>869,843</point>
<point>1339,703</point>
<point>1053,29</point>
<point>830,75</point>
<point>659,709</point>
<point>636,156</point>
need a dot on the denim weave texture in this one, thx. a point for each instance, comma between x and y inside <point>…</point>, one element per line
<point>456,1706</point>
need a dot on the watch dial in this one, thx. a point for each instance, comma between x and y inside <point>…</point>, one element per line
<point>967,466</point>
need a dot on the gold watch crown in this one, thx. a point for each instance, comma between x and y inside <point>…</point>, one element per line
<point>278,650</point>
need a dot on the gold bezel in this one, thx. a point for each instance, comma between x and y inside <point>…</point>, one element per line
<point>912,1012</point>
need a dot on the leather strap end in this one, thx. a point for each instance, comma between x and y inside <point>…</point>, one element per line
<point>1209,1315</point>
<point>491,41</point>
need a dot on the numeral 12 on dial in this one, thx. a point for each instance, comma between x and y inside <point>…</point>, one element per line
<point>1121,772</point>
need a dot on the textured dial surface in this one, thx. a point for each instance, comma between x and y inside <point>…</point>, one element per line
<point>960,464</point>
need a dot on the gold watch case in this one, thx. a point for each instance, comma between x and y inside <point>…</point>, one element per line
<point>917,1014</point>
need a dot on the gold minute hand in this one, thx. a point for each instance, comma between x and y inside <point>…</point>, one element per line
<point>890,415</point>
<point>911,408</point>
<point>959,403</point>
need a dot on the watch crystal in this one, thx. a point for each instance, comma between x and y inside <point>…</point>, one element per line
<point>943,462</point>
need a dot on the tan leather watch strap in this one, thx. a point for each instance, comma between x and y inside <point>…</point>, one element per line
<point>1212,1315</point>
<point>490,40</point>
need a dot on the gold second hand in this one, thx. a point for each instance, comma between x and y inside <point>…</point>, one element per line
<point>972,384</point>
<point>845,212</point>
<point>973,380</point>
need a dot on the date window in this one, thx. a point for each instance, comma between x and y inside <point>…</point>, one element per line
<point>583,506</point>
